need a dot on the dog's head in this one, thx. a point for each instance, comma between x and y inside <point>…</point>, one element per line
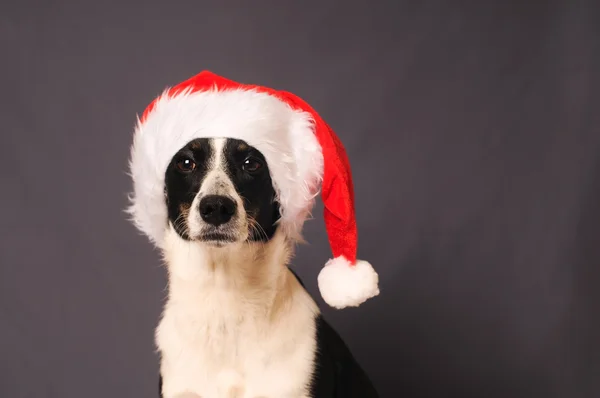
<point>193,182</point>
<point>219,191</point>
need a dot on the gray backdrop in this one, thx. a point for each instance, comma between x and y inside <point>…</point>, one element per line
<point>473,131</point>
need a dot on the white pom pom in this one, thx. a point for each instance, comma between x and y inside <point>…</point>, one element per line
<point>345,285</point>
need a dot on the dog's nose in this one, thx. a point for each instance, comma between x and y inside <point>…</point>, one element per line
<point>216,209</point>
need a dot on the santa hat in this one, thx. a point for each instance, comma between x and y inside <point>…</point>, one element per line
<point>304,155</point>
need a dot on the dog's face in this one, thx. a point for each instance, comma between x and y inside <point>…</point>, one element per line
<point>219,191</point>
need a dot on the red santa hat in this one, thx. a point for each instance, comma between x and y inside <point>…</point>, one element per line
<point>304,155</point>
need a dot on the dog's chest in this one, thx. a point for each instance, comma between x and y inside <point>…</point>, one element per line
<point>223,349</point>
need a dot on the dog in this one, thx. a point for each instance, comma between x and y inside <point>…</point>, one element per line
<point>238,322</point>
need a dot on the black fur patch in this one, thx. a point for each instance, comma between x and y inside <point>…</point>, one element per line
<point>336,373</point>
<point>256,189</point>
<point>180,188</point>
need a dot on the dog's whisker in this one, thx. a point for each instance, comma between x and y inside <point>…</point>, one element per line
<point>256,227</point>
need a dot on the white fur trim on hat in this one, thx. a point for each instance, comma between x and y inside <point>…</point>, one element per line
<point>285,137</point>
<point>345,285</point>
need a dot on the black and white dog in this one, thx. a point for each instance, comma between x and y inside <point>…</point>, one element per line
<point>224,177</point>
<point>238,322</point>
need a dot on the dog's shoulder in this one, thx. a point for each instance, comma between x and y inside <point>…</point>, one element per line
<point>336,372</point>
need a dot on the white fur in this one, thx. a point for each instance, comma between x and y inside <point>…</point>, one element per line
<point>283,135</point>
<point>345,285</point>
<point>237,324</point>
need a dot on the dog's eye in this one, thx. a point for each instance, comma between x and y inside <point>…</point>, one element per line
<point>186,165</point>
<point>251,165</point>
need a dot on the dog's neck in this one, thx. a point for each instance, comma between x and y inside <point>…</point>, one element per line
<point>245,277</point>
